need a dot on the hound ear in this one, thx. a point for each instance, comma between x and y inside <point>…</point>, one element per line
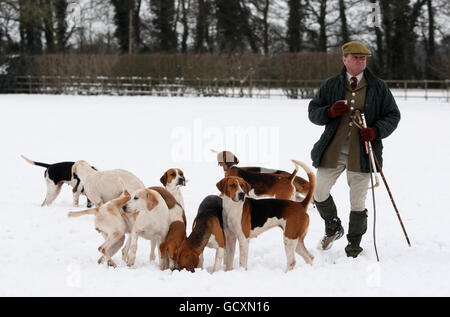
<point>151,200</point>
<point>245,186</point>
<point>179,251</point>
<point>221,185</point>
<point>236,161</point>
<point>163,179</point>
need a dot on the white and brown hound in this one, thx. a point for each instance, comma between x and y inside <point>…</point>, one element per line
<point>264,182</point>
<point>172,180</point>
<point>152,221</point>
<point>111,223</point>
<point>245,218</point>
<point>177,229</point>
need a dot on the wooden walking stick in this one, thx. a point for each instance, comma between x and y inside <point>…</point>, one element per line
<point>361,119</point>
<point>392,200</point>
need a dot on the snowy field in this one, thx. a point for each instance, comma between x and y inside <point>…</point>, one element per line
<point>44,253</point>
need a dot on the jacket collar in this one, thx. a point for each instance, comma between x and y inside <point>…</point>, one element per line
<point>370,77</point>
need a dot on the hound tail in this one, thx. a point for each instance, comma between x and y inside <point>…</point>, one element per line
<point>74,214</point>
<point>125,192</point>
<point>312,181</point>
<point>35,163</point>
<point>294,173</point>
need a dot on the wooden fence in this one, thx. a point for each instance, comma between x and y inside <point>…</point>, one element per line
<point>231,87</point>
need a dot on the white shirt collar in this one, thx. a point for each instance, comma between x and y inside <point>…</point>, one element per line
<point>358,77</point>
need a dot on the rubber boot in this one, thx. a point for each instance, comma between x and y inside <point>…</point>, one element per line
<point>333,228</point>
<point>356,228</point>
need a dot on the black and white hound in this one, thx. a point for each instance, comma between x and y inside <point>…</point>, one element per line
<point>55,176</point>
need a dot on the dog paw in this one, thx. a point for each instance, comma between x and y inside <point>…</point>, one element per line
<point>130,261</point>
<point>101,260</point>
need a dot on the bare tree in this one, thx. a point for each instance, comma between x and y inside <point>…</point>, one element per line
<point>344,26</point>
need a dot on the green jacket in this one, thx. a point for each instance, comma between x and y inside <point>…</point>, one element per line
<point>380,111</point>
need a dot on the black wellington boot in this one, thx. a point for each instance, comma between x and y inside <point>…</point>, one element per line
<point>356,228</point>
<point>333,227</point>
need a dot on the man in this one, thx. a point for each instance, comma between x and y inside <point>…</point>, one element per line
<point>342,145</point>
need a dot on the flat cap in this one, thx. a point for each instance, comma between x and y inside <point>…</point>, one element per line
<point>355,48</point>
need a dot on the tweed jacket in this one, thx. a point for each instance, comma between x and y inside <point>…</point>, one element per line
<point>380,110</point>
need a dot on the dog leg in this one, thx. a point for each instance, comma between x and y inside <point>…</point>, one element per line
<point>52,192</point>
<point>163,259</point>
<point>303,252</point>
<point>101,260</point>
<point>126,249</point>
<point>102,250</point>
<point>200,262</point>
<point>152,250</point>
<point>112,240</point>
<point>110,250</point>
<point>230,248</point>
<point>114,248</point>
<point>289,248</point>
<point>243,252</point>
<point>219,259</point>
<point>171,263</point>
<point>105,236</point>
<point>76,196</point>
<point>133,248</point>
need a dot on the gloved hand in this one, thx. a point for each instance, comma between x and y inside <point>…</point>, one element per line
<point>338,109</point>
<point>367,134</point>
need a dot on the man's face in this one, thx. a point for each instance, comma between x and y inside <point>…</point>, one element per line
<point>355,64</point>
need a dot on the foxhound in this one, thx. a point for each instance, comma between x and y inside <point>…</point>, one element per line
<point>172,180</point>
<point>264,182</point>
<point>55,176</point>
<point>207,231</point>
<point>111,223</point>
<point>177,228</point>
<point>245,218</point>
<point>151,221</point>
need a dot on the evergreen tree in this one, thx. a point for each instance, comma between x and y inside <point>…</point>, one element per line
<point>164,24</point>
<point>294,34</point>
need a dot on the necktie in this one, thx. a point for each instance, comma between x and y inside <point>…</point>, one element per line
<point>354,83</point>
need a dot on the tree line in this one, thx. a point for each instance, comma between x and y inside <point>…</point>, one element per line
<point>409,38</point>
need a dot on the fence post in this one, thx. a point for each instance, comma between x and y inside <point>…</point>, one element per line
<point>232,86</point>
<point>426,89</point>
<point>250,93</point>
<point>446,88</point>
<point>405,83</point>
<point>29,84</point>
<point>150,89</point>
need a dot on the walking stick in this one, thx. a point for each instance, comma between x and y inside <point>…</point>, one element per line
<point>392,200</point>
<point>360,115</point>
<point>369,150</point>
<point>374,212</point>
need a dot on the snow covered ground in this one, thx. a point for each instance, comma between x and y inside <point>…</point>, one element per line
<point>45,253</point>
